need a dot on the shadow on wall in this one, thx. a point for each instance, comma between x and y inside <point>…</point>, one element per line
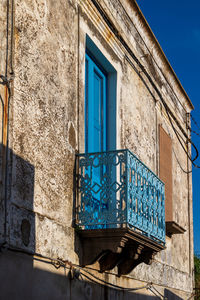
<point>30,282</point>
<point>24,276</point>
<point>17,221</point>
<point>17,196</point>
<point>170,295</point>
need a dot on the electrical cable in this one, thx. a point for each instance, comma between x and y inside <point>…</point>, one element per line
<point>11,39</point>
<point>186,172</point>
<point>189,157</point>
<point>6,82</point>
<point>7,34</point>
<point>156,294</point>
<point>178,137</point>
<point>147,286</point>
<point>2,116</point>
<point>57,263</point>
<point>152,291</point>
<point>193,131</point>
<point>195,122</point>
<point>92,280</point>
<point>130,52</point>
<point>156,291</point>
<point>111,284</point>
<point>116,286</point>
<point>177,134</point>
<point>154,59</point>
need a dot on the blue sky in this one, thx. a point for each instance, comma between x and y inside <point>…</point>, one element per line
<point>176,25</point>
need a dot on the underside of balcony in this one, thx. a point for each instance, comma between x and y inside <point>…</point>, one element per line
<point>123,248</point>
<point>120,211</point>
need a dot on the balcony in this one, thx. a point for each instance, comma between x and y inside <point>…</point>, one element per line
<point>120,210</point>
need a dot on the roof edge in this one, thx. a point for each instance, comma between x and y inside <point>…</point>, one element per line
<point>162,52</point>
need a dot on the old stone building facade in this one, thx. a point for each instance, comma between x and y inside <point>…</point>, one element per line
<point>81,77</point>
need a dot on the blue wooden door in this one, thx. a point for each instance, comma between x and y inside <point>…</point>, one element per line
<point>95,108</point>
<point>95,131</point>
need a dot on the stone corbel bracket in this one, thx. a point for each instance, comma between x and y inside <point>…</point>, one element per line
<point>123,248</point>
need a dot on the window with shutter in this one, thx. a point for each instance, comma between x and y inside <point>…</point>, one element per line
<point>166,173</point>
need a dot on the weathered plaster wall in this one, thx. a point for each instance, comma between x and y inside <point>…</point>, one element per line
<point>47,127</point>
<point>138,118</point>
<point>140,114</point>
<point>44,122</point>
<point>44,281</point>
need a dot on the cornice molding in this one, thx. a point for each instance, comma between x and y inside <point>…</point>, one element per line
<point>102,27</point>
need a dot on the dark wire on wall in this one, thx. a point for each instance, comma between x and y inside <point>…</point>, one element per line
<point>11,38</point>
<point>168,111</point>
<point>5,81</point>
<point>192,130</point>
<point>77,271</point>
<point>195,122</point>
<point>154,59</point>
<point>7,34</point>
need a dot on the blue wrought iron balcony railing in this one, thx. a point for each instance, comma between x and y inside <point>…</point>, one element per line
<point>116,190</point>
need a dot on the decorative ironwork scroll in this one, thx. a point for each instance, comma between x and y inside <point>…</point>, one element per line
<point>115,190</point>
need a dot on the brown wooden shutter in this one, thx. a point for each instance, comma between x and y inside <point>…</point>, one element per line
<point>165,166</point>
